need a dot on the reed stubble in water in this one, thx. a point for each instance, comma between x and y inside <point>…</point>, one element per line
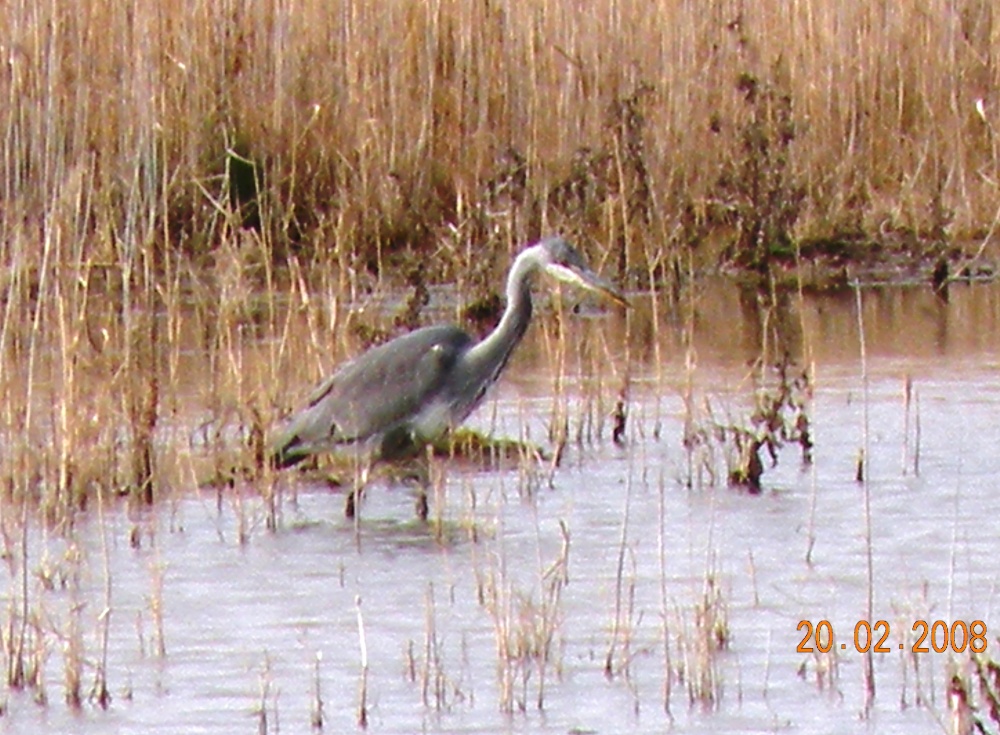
<point>349,139</point>
<point>362,710</point>
<point>526,630</point>
<point>868,666</point>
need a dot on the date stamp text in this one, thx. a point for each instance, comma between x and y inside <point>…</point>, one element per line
<point>937,636</point>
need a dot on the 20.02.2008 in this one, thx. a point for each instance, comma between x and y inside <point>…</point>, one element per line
<point>939,636</point>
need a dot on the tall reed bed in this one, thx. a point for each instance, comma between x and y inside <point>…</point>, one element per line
<point>374,126</point>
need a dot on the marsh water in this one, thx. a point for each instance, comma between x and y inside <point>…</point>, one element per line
<point>628,589</point>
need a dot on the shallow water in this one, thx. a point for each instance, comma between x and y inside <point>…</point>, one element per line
<point>247,625</point>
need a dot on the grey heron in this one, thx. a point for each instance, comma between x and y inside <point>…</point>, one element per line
<point>390,401</point>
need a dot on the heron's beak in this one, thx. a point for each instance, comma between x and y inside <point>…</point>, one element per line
<point>589,281</point>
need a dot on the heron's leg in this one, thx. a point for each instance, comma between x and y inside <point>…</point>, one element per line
<point>420,478</point>
<point>354,496</point>
<point>422,503</point>
<point>430,479</point>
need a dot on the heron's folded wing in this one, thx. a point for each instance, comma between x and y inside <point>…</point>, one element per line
<point>380,388</point>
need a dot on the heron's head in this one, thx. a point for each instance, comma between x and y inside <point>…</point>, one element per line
<point>563,262</point>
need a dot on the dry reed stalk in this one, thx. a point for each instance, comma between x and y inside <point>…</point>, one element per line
<point>907,406</point>
<point>619,623</point>
<point>664,615</point>
<point>264,680</point>
<point>17,634</point>
<point>156,571</point>
<point>73,657</point>
<point>552,579</point>
<point>316,715</point>
<point>868,665</point>
<point>363,680</point>
<point>811,523</point>
<point>99,692</point>
<point>430,649</point>
<point>690,438</point>
<point>556,351</point>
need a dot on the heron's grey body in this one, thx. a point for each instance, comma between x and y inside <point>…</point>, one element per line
<point>393,399</point>
<point>346,409</point>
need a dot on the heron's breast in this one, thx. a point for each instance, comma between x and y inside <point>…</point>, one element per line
<point>432,421</point>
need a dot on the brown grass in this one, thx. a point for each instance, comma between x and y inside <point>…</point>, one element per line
<point>162,164</point>
<point>371,127</point>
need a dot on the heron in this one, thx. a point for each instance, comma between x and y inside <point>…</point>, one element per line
<point>387,403</point>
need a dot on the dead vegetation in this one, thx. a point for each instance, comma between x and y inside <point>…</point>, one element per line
<point>198,155</point>
<point>361,133</point>
<point>745,441</point>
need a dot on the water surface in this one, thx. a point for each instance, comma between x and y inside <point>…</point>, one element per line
<point>253,619</point>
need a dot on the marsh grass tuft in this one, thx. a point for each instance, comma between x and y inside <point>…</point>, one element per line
<point>701,636</point>
<point>438,689</point>
<point>982,690</point>
<point>526,624</point>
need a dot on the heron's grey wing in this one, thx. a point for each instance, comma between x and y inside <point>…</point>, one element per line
<point>374,392</point>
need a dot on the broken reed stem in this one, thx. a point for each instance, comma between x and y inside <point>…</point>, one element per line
<point>316,711</point>
<point>265,691</point>
<point>559,422</point>
<point>907,405</point>
<point>551,581</point>
<point>813,496</point>
<point>955,527</point>
<point>100,693</point>
<point>439,489</point>
<point>363,682</point>
<point>664,620</point>
<point>690,367</point>
<point>619,575</point>
<point>430,636</point>
<point>868,667</point>
<point>73,655</point>
<point>156,604</point>
<point>16,668</point>
<point>807,359</point>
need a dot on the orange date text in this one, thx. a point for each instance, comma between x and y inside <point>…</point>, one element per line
<point>937,636</point>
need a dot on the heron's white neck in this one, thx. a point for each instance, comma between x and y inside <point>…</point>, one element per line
<point>492,353</point>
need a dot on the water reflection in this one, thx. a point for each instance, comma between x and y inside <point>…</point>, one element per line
<point>728,323</point>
